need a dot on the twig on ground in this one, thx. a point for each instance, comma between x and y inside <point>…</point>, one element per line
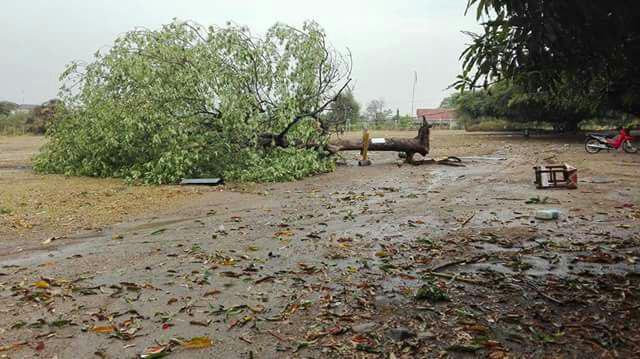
<point>448,264</point>
<point>456,277</point>
<point>277,336</point>
<point>467,220</point>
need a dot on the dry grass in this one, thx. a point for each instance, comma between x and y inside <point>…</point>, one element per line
<point>37,206</point>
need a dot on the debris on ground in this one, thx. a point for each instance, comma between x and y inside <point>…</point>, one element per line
<point>556,176</point>
<point>202,182</point>
<point>402,263</point>
<point>547,214</point>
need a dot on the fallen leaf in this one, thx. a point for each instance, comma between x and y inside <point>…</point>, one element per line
<point>156,352</point>
<point>498,355</point>
<point>264,279</point>
<point>303,344</point>
<point>599,257</point>
<point>49,240</point>
<point>461,348</point>
<point>257,309</point>
<point>230,274</point>
<point>41,284</point>
<point>4,348</point>
<point>211,293</point>
<point>284,233</point>
<point>197,343</point>
<point>107,329</point>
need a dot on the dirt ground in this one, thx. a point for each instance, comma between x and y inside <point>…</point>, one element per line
<point>35,206</point>
<point>390,261</point>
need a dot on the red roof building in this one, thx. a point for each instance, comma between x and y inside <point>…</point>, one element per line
<point>437,116</point>
<point>440,114</point>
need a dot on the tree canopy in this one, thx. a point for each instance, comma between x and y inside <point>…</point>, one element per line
<point>188,100</point>
<point>41,117</point>
<point>6,107</point>
<point>543,45</point>
<point>450,101</point>
<point>344,109</point>
<point>508,101</point>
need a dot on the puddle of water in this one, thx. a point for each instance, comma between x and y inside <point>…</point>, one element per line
<point>32,258</point>
<point>562,265</point>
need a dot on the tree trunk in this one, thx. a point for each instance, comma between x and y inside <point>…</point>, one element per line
<point>410,146</point>
<point>407,145</point>
<point>571,126</point>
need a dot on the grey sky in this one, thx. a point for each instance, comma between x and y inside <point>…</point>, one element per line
<point>388,39</point>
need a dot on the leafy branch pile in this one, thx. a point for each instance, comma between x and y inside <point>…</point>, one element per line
<point>188,100</point>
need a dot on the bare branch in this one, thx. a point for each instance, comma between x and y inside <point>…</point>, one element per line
<point>313,113</point>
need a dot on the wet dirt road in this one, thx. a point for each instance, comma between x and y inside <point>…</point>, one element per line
<point>406,261</point>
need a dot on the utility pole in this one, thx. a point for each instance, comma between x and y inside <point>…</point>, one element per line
<point>396,118</point>
<point>413,94</point>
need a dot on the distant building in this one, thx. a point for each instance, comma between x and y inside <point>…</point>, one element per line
<point>441,117</point>
<point>24,109</point>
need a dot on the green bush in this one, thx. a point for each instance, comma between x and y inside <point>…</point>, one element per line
<point>279,164</point>
<point>498,124</point>
<point>13,124</point>
<point>403,123</point>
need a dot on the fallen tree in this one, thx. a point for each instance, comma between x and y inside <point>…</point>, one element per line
<point>409,146</point>
<point>194,101</point>
<point>189,101</point>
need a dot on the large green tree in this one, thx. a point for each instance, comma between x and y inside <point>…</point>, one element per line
<point>188,100</point>
<point>450,101</point>
<point>6,107</point>
<point>344,110</point>
<point>41,116</point>
<point>545,44</point>
<point>511,102</point>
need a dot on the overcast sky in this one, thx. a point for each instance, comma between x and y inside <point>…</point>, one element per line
<point>389,39</point>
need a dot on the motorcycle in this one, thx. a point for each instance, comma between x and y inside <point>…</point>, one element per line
<point>597,142</point>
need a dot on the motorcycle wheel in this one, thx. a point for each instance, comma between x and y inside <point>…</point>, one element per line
<point>592,142</point>
<point>629,147</point>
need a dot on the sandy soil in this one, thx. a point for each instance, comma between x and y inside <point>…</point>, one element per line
<point>386,261</point>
